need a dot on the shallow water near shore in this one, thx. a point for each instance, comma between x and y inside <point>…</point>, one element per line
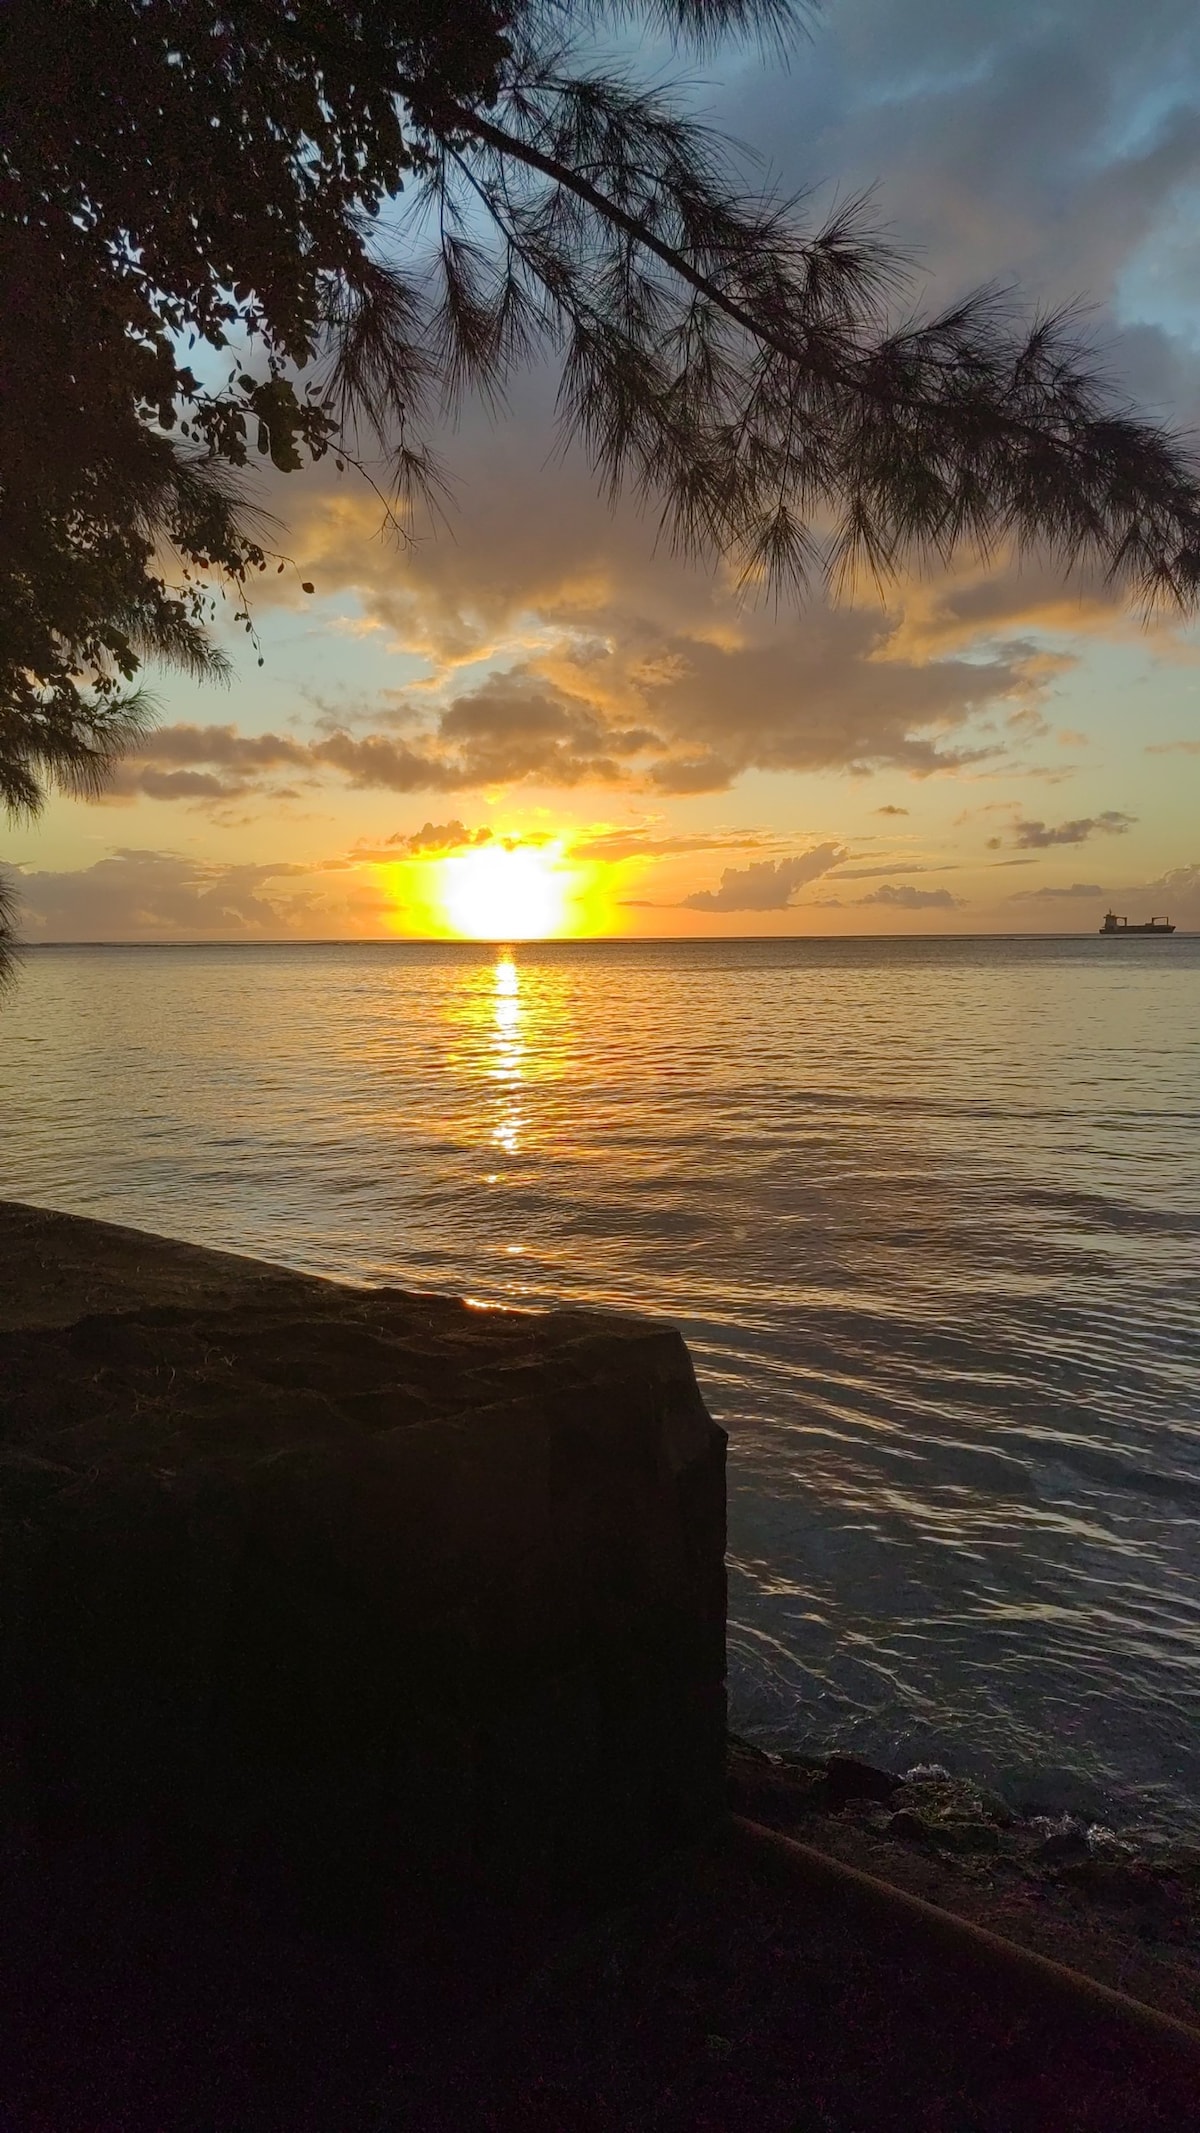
<point>927,1212</point>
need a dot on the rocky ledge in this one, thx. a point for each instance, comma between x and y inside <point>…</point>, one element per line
<point>340,1590</point>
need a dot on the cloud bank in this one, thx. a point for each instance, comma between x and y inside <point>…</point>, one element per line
<point>145,895</point>
<point>766,885</point>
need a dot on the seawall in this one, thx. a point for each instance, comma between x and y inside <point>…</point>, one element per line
<point>343,1591</point>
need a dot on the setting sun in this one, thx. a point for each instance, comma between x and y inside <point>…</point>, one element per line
<point>507,893</point>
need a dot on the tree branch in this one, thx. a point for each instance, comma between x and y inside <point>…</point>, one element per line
<point>511,144</point>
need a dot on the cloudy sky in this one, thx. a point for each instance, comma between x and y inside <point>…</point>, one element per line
<point>985,750</point>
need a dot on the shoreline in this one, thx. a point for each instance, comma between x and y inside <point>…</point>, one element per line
<point>1124,1914</point>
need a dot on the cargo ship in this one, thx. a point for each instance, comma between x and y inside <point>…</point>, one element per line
<point>1113,924</point>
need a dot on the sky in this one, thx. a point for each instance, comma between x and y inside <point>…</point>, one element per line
<point>531,719</point>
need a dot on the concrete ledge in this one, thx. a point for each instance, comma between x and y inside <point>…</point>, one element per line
<point>340,1591</point>
<point>56,1268</point>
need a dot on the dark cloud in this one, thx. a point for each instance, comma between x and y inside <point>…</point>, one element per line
<point>617,662</point>
<point>678,714</point>
<point>1049,146</point>
<point>904,898</point>
<point>234,762</point>
<point>827,691</point>
<point>765,885</point>
<point>674,710</point>
<point>434,839</point>
<point>1077,889</point>
<point>638,844</point>
<point>889,810</point>
<point>180,785</point>
<point>515,728</point>
<point>375,762</point>
<point>1177,893</point>
<point>224,745</point>
<point>889,866</point>
<point>1039,836</point>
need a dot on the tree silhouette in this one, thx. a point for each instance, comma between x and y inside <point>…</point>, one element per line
<point>8,915</point>
<point>204,266</point>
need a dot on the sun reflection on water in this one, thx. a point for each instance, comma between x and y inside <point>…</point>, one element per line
<point>508,1050</point>
<point>512,1065</point>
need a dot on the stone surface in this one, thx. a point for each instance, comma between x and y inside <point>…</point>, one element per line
<point>905,1824</point>
<point>849,1778</point>
<point>56,1268</point>
<point>336,1589</point>
<point>1062,1848</point>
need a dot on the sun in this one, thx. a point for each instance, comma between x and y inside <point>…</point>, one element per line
<point>506,893</point>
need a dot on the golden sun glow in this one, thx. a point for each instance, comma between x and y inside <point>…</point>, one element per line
<point>508,893</point>
<point>503,886</point>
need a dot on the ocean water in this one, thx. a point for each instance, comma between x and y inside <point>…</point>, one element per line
<point>927,1212</point>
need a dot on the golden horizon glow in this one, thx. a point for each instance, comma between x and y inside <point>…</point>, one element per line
<point>515,887</point>
<point>507,892</point>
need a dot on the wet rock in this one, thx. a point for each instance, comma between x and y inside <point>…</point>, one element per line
<point>968,1836</point>
<point>1182,1862</point>
<point>774,1789</point>
<point>944,1801</point>
<point>1062,1848</point>
<point>1116,1881</point>
<point>739,1746</point>
<point>996,1809</point>
<point>846,1779</point>
<point>904,1823</point>
<point>951,1834</point>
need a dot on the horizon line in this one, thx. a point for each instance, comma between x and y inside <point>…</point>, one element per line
<point>570,940</point>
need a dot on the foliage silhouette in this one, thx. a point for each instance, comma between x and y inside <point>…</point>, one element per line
<point>204,268</point>
<point>8,916</point>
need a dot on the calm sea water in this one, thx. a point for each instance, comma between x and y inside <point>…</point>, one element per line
<point>927,1212</point>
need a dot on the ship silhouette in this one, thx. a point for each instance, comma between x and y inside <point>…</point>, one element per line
<point>1113,924</point>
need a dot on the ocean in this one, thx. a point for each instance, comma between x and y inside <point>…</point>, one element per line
<point>926,1210</point>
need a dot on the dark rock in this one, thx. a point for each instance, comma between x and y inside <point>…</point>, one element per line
<point>1117,1881</point>
<point>773,1789</point>
<point>1062,1848</point>
<point>738,1745</point>
<point>969,1836</point>
<point>995,1807</point>
<point>340,1589</point>
<point>846,1778</point>
<point>1182,1861</point>
<point>904,1823</point>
